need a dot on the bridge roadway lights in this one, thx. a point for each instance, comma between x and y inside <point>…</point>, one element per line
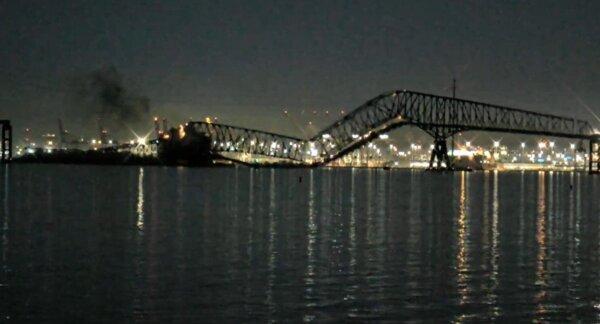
<point>594,155</point>
<point>6,154</point>
<point>439,154</point>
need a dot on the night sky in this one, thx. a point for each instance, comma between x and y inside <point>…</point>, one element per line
<point>246,61</point>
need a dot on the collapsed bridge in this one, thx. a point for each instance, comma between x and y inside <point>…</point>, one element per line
<point>439,116</point>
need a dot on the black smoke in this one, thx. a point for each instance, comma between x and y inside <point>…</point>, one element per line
<point>102,97</point>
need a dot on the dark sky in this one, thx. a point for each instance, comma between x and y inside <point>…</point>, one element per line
<point>245,61</point>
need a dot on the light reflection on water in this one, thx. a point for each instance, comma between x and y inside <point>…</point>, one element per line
<point>140,200</point>
<point>177,244</point>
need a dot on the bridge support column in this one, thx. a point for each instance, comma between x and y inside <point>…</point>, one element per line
<point>439,155</point>
<point>594,155</point>
<point>6,148</point>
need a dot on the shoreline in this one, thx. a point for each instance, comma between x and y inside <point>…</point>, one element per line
<point>151,161</point>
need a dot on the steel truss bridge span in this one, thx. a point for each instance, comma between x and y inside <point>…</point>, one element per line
<point>227,138</point>
<point>439,116</point>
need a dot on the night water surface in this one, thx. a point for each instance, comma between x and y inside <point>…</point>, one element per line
<point>158,244</point>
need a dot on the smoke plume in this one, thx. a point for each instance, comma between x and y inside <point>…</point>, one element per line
<point>102,97</point>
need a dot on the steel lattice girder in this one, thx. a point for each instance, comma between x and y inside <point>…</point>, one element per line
<point>226,138</point>
<point>439,116</point>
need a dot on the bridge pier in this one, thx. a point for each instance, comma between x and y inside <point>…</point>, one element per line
<point>6,148</point>
<point>439,154</point>
<point>594,155</point>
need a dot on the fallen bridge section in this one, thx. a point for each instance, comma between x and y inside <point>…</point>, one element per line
<point>227,138</point>
<point>441,117</point>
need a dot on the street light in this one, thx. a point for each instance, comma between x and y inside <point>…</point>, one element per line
<point>468,144</point>
<point>496,144</point>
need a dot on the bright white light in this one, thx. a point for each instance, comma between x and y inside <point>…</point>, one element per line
<point>551,144</point>
<point>522,145</point>
<point>384,136</point>
<point>326,136</point>
<point>468,144</point>
<point>110,142</point>
<point>572,146</point>
<point>542,145</point>
<point>93,141</point>
<point>462,153</point>
<point>355,136</point>
<point>496,144</point>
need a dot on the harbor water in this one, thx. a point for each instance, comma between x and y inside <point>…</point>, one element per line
<point>165,244</point>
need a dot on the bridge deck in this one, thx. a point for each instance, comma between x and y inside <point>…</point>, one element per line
<point>439,116</point>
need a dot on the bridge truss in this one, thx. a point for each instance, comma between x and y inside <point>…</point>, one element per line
<point>227,138</point>
<point>439,116</point>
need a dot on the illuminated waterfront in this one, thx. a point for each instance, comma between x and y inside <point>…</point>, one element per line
<point>238,244</point>
<point>543,154</point>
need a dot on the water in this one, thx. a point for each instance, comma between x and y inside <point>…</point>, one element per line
<point>154,244</point>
